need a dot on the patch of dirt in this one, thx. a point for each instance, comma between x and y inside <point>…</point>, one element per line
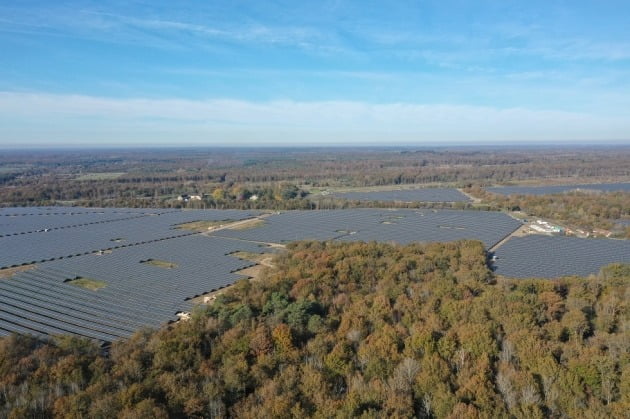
<point>247,225</point>
<point>253,272</point>
<point>208,298</point>
<point>87,283</point>
<point>202,225</point>
<point>474,199</point>
<point>160,263</point>
<point>264,259</point>
<point>519,232</point>
<point>9,272</point>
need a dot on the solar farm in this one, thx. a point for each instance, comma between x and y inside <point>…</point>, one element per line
<point>142,269</point>
<point>547,190</point>
<point>396,225</point>
<point>408,195</point>
<point>58,235</point>
<point>543,256</point>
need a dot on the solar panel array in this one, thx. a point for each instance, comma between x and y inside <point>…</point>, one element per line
<point>408,195</point>
<point>42,302</point>
<point>76,239</point>
<point>109,245</point>
<point>400,225</point>
<point>20,224</point>
<point>81,210</point>
<point>551,257</point>
<point>545,190</point>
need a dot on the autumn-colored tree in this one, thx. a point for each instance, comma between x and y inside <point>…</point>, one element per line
<point>352,329</point>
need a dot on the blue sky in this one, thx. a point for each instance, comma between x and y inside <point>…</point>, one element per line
<point>316,72</point>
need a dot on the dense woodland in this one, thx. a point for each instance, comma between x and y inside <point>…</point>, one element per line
<point>227,177</point>
<point>579,209</point>
<point>353,329</point>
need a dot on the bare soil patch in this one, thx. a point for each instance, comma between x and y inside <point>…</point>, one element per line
<point>202,225</point>
<point>160,263</point>
<point>9,272</point>
<point>87,283</point>
<point>247,225</point>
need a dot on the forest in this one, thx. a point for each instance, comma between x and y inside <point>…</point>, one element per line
<point>579,209</point>
<point>228,177</point>
<point>353,329</point>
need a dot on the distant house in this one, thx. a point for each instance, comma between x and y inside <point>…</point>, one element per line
<point>602,232</point>
<point>186,198</point>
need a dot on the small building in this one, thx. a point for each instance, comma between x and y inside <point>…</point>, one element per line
<point>186,198</point>
<point>545,227</point>
<point>602,232</point>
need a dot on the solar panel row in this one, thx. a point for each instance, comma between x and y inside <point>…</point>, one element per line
<point>551,257</point>
<point>407,195</point>
<point>31,211</point>
<point>84,239</point>
<point>136,294</point>
<point>15,225</point>
<point>41,301</point>
<point>545,190</point>
<point>401,226</point>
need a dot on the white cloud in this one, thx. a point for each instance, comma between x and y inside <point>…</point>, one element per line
<point>29,117</point>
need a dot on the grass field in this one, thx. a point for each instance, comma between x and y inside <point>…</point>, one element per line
<point>9,272</point>
<point>100,176</point>
<point>248,225</point>
<point>201,225</point>
<point>254,257</point>
<point>87,283</point>
<point>380,188</point>
<point>161,263</point>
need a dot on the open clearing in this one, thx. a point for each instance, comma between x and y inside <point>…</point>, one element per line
<point>264,259</point>
<point>87,283</point>
<point>161,263</point>
<point>100,176</point>
<point>247,225</point>
<point>9,272</point>
<point>201,225</point>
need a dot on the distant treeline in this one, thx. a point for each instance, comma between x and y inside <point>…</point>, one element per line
<point>581,209</point>
<point>154,178</point>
